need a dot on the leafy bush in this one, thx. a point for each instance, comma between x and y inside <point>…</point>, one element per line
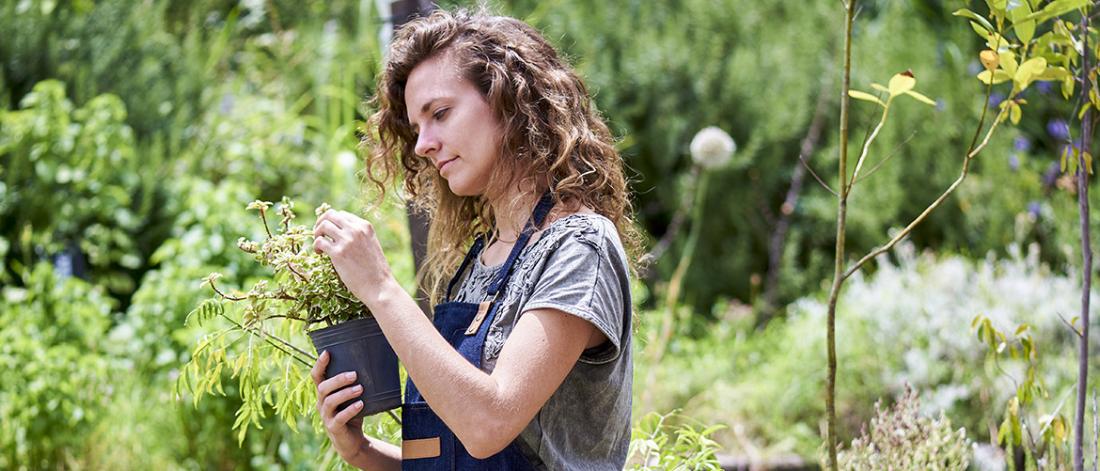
<point>72,179</point>
<point>901,439</point>
<point>657,444</point>
<point>55,376</point>
<point>908,323</point>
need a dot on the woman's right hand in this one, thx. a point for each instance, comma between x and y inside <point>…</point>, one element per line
<point>343,428</point>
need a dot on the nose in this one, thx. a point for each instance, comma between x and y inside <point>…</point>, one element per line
<point>426,144</point>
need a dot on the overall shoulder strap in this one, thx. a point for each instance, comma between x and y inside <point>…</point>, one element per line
<point>537,217</point>
<point>471,254</point>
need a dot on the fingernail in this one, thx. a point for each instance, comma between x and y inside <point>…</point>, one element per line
<point>324,354</point>
<point>357,389</point>
<point>349,375</point>
<point>357,404</point>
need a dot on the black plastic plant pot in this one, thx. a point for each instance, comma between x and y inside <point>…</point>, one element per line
<point>358,345</point>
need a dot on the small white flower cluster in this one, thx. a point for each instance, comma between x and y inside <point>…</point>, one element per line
<point>712,148</point>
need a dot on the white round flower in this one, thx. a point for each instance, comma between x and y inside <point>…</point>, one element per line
<point>712,148</point>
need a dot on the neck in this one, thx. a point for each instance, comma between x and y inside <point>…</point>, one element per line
<point>511,213</point>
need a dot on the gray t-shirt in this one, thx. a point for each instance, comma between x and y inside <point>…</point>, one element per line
<point>577,266</point>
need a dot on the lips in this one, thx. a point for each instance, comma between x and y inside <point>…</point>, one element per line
<point>445,163</point>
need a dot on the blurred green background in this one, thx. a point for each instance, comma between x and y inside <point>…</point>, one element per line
<point>132,135</point>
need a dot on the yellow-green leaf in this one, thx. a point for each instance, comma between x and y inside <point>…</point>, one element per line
<point>879,87</point>
<point>865,97</point>
<point>921,98</point>
<point>1057,8</point>
<point>1028,70</point>
<point>999,76</point>
<point>982,32</point>
<point>1008,62</point>
<point>901,83</point>
<point>1058,426</point>
<point>1053,73</point>
<point>984,23</point>
<point>1014,113</point>
<point>1025,30</point>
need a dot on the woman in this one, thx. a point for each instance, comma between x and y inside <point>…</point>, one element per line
<point>526,364</point>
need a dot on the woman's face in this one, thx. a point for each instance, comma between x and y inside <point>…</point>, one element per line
<point>456,129</point>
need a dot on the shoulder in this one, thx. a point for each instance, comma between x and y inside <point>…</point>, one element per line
<point>586,228</point>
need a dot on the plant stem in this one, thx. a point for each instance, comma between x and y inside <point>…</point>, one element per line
<point>223,295</point>
<point>838,262</point>
<point>269,339</point>
<point>1086,252</point>
<point>932,206</point>
<point>668,321</point>
<point>867,144</point>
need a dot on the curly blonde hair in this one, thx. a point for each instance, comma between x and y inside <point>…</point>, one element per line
<point>553,139</point>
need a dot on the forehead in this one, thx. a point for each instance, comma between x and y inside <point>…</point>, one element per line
<point>432,79</point>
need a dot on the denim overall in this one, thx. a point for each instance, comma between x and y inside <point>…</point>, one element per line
<point>427,443</point>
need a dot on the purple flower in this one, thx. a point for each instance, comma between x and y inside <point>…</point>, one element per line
<point>1058,129</point>
<point>1021,144</point>
<point>1014,162</point>
<point>995,99</point>
<point>1045,87</point>
<point>1051,175</point>
<point>1033,208</point>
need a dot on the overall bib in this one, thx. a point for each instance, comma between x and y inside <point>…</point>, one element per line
<point>427,443</point>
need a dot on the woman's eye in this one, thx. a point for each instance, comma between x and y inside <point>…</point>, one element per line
<point>439,114</point>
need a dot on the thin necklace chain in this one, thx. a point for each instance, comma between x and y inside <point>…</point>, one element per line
<point>496,238</point>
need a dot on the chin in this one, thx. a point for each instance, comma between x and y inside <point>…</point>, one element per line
<point>463,188</point>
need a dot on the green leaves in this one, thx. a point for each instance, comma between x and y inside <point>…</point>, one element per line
<point>865,97</point>
<point>900,84</point>
<point>656,445</point>
<point>303,289</point>
<point>1055,9</point>
<point>979,19</point>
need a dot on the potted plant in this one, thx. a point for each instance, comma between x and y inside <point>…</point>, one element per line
<point>303,292</point>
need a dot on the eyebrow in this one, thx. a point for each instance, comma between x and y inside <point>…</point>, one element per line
<point>424,109</point>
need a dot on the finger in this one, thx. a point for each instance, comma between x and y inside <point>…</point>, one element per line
<point>318,371</point>
<point>326,216</point>
<point>353,224</point>
<point>347,414</point>
<point>322,244</point>
<point>336,382</point>
<point>328,408</point>
<point>329,229</point>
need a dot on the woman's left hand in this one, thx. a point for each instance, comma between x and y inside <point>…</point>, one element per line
<point>350,242</point>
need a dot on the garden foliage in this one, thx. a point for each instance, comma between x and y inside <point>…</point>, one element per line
<point>131,134</point>
<point>901,439</point>
<point>907,324</point>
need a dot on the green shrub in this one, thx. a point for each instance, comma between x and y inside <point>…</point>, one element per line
<point>72,178</point>
<point>908,323</point>
<point>901,439</point>
<point>657,444</point>
<point>54,376</point>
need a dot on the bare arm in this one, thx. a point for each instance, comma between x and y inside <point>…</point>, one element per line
<point>485,411</point>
